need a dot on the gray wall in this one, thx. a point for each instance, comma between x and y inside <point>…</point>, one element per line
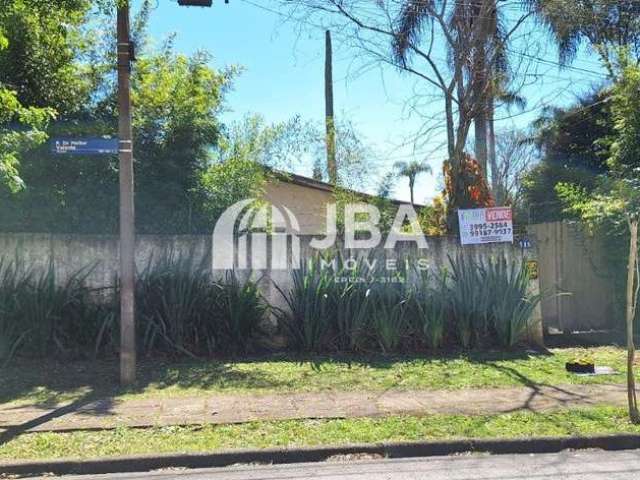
<point>72,252</point>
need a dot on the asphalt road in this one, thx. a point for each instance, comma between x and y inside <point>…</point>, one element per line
<point>579,465</point>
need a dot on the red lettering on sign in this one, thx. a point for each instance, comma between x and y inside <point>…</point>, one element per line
<point>498,214</point>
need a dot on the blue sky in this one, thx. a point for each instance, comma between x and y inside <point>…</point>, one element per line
<point>283,77</point>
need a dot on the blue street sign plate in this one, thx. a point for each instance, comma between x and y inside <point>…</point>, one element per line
<point>84,146</point>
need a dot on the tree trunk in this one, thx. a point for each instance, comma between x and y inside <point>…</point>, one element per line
<point>480,132</point>
<point>631,308</point>
<point>411,185</point>
<point>493,162</point>
<point>332,167</point>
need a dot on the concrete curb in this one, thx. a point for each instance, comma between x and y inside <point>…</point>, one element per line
<point>318,454</point>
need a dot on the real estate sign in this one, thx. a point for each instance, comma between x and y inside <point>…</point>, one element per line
<point>486,225</point>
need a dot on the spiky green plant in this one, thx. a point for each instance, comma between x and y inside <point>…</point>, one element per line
<point>468,299</point>
<point>389,321</point>
<point>241,308</point>
<point>173,296</point>
<point>512,305</point>
<point>307,319</point>
<point>349,293</point>
<point>13,279</point>
<point>429,307</point>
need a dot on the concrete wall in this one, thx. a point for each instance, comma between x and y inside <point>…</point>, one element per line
<point>72,252</point>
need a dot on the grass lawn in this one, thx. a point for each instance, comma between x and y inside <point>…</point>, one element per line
<point>51,382</point>
<point>590,421</point>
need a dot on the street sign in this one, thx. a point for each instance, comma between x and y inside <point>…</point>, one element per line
<point>486,225</point>
<point>84,146</point>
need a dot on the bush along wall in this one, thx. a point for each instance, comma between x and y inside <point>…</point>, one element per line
<point>341,305</point>
<point>346,306</point>
<point>180,311</point>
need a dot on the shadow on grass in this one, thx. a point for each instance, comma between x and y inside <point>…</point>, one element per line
<point>59,388</point>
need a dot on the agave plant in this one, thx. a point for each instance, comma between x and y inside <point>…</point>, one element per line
<point>469,299</point>
<point>350,294</point>
<point>389,320</point>
<point>511,305</point>
<point>173,295</point>
<point>307,319</point>
<point>241,309</point>
<point>429,308</point>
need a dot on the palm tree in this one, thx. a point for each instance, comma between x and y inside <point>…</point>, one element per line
<point>480,29</point>
<point>411,170</point>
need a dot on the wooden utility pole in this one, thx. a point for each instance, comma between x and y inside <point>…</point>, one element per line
<point>127,216</point>
<point>332,167</point>
<point>632,266</point>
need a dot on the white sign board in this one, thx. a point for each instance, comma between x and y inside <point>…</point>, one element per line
<point>486,225</point>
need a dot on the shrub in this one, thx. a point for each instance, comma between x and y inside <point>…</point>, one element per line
<point>350,295</point>
<point>429,308</point>
<point>241,310</point>
<point>489,299</point>
<point>174,297</point>
<point>389,321</point>
<point>468,299</point>
<point>511,305</point>
<point>39,317</point>
<point>307,321</point>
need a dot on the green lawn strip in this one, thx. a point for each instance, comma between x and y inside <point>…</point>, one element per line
<point>591,421</point>
<point>51,382</point>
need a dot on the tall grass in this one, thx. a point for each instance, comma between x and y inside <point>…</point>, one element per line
<point>490,299</point>
<point>174,295</point>
<point>182,310</point>
<point>468,299</point>
<point>389,321</point>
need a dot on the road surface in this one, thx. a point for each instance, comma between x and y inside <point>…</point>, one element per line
<point>579,465</point>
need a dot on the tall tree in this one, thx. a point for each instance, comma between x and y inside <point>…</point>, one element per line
<point>606,25</point>
<point>616,196</point>
<point>573,148</point>
<point>411,170</point>
<point>38,42</point>
<point>332,166</point>
<point>414,28</point>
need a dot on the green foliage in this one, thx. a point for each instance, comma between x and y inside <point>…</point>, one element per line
<point>429,307</point>
<point>38,76</point>
<point>181,310</point>
<point>41,317</point>
<point>574,149</point>
<point>241,309</point>
<point>606,25</point>
<point>343,305</point>
<point>489,299</point>
<point>411,170</point>
<point>351,295</point>
<point>307,320</point>
<point>174,296</point>
<point>468,299</point>
<point>389,316</point>
<point>511,305</point>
